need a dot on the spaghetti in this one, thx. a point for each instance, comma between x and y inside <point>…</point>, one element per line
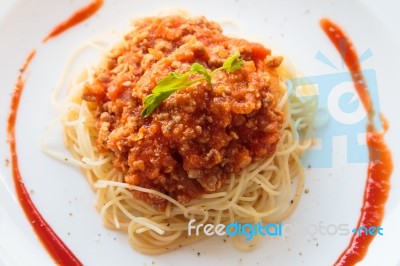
<point>267,190</point>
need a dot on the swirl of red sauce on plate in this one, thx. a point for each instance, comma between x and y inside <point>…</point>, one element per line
<point>59,251</point>
<point>80,15</point>
<point>53,244</point>
<point>380,164</point>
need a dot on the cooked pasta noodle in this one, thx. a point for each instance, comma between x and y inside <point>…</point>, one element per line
<point>266,191</point>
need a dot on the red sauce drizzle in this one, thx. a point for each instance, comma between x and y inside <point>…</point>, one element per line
<point>54,245</point>
<point>80,15</point>
<point>380,164</point>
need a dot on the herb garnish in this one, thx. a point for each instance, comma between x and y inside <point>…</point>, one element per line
<point>176,81</point>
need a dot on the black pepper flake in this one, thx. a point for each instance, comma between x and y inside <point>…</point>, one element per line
<point>198,254</point>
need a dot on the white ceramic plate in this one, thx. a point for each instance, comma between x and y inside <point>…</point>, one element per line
<point>66,201</point>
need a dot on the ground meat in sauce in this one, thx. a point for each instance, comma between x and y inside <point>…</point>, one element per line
<point>200,134</point>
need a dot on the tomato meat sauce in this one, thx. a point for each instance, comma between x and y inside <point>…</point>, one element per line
<point>199,135</point>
